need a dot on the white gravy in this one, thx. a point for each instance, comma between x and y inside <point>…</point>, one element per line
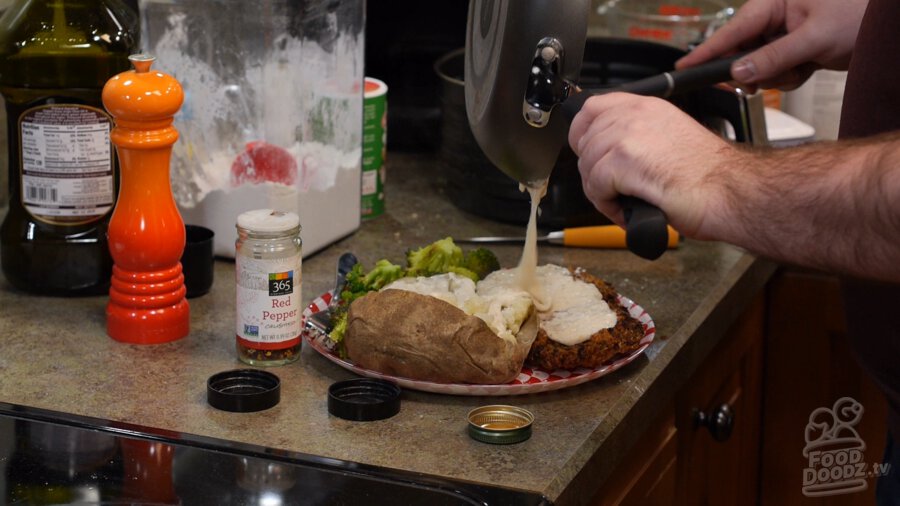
<point>527,279</point>
<point>576,309</point>
<point>570,310</point>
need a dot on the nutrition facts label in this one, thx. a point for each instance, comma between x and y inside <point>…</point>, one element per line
<point>67,164</point>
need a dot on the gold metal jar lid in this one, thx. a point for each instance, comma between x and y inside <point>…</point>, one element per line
<point>500,424</point>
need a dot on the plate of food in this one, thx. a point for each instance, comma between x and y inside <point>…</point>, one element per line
<point>531,379</point>
<point>447,333</point>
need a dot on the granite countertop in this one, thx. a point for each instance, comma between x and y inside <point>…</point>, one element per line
<point>57,356</point>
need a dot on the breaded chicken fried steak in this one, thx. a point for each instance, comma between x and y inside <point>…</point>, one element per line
<point>602,346</point>
<point>582,323</point>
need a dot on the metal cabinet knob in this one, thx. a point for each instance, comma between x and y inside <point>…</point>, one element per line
<point>720,421</point>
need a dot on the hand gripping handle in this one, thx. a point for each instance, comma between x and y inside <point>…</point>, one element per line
<point>646,226</point>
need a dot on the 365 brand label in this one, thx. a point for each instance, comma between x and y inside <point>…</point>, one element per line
<point>281,283</point>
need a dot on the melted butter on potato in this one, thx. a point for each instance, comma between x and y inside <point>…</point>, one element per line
<point>504,311</point>
<point>572,310</point>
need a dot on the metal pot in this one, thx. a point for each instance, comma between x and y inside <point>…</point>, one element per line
<point>477,186</point>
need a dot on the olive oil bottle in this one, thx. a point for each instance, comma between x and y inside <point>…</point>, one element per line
<point>55,57</point>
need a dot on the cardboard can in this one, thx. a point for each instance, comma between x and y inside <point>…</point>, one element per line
<point>374,151</point>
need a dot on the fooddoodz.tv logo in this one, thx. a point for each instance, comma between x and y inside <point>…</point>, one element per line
<point>281,283</point>
<point>834,452</point>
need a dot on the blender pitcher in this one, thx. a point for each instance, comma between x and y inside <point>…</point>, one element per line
<point>272,116</point>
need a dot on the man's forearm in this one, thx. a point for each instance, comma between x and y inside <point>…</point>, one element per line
<point>832,206</point>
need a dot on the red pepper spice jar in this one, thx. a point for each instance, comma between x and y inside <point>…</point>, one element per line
<point>147,302</point>
<point>267,264</point>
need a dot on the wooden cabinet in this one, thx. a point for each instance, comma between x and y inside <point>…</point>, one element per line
<point>679,460</point>
<point>723,470</point>
<point>649,477</point>
<point>809,364</point>
<point>784,357</point>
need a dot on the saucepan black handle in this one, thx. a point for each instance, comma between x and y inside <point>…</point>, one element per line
<point>681,81</point>
<point>661,85</point>
<point>646,226</point>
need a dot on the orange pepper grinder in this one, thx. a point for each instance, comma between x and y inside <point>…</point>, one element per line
<point>147,302</point>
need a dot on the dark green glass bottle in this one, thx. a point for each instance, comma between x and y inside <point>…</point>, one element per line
<point>55,57</point>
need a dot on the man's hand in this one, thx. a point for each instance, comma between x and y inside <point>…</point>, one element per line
<point>791,38</point>
<point>648,148</point>
<point>826,205</point>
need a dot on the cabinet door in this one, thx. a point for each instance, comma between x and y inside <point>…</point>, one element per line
<point>718,419</point>
<point>809,365</point>
<point>678,461</point>
<point>647,476</point>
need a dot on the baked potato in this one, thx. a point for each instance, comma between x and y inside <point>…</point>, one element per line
<point>428,336</point>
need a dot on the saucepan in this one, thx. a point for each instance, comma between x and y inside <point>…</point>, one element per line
<point>522,62</point>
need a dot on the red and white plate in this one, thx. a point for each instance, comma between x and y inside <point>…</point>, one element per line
<point>531,380</point>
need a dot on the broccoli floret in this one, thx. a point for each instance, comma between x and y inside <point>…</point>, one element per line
<point>482,262</point>
<point>359,283</point>
<point>436,258</point>
<point>339,322</point>
<point>382,274</point>
<point>462,271</point>
<point>355,285</point>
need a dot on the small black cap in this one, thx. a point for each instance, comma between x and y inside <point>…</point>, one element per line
<point>243,390</point>
<point>364,399</point>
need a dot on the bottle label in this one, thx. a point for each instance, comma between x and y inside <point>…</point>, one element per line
<point>373,150</point>
<point>66,163</point>
<point>268,302</point>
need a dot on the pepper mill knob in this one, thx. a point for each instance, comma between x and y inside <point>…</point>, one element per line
<point>147,303</point>
<point>142,95</point>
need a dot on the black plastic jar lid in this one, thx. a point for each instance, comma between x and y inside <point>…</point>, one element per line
<point>243,390</point>
<point>364,399</point>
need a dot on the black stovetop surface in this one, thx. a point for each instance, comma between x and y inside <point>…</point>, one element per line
<point>54,458</point>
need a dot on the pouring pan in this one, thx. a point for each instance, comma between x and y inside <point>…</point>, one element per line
<point>521,64</point>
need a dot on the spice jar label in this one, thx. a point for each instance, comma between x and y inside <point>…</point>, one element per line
<point>268,302</point>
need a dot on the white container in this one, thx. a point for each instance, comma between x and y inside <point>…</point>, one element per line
<point>272,116</point>
<point>818,102</point>
<point>785,130</point>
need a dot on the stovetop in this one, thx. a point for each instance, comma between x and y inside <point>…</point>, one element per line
<point>55,458</point>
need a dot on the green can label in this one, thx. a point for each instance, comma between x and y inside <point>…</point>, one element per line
<point>374,149</point>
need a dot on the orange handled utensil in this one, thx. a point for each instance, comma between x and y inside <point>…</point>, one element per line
<point>600,236</point>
